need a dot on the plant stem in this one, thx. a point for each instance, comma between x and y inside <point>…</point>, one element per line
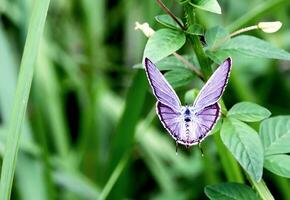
<point>161,4</point>
<point>197,46</point>
<point>189,65</point>
<point>221,41</point>
<point>261,188</point>
<point>34,35</point>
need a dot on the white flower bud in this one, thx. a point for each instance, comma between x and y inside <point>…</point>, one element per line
<point>145,28</point>
<point>270,27</point>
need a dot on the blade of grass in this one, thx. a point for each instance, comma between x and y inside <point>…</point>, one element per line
<point>48,89</point>
<point>25,183</point>
<point>124,136</point>
<point>35,31</point>
<point>114,177</point>
<point>76,183</point>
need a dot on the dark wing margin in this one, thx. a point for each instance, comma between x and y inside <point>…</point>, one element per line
<point>215,86</point>
<point>206,120</point>
<point>161,88</point>
<point>170,119</point>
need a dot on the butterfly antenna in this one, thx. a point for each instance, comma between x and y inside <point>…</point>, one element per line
<point>176,146</point>
<point>200,148</point>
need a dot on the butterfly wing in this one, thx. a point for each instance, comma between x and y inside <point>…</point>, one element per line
<point>171,120</point>
<point>206,119</point>
<point>215,86</point>
<point>190,133</point>
<point>168,107</point>
<point>206,103</point>
<point>161,88</point>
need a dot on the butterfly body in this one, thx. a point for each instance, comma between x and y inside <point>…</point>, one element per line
<point>190,124</point>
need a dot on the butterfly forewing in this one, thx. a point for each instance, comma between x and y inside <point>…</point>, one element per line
<point>215,86</point>
<point>161,88</point>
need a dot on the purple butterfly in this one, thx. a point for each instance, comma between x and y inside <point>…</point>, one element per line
<point>190,124</point>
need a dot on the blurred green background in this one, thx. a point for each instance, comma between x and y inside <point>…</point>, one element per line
<point>90,126</point>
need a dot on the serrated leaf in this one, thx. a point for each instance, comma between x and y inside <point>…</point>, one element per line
<point>248,112</point>
<point>254,47</point>
<point>278,164</point>
<point>275,135</point>
<point>179,77</point>
<point>245,145</point>
<point>214,35</point>
<point>163,43</point>
<point>207,5</point>
<point>167,21</point>
<point>230,191</point>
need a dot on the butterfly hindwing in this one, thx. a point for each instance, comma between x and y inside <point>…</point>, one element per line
<point>161,88</point>
<point>171,120</point>
<point>206,119</point>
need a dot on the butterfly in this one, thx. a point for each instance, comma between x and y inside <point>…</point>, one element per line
<point>190,124</point>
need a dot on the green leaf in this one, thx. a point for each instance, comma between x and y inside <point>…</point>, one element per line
<point>190,96</point>
<point>163,43</point>
<point>254,47</point>
<point>248,112</point>
<point>167,21</point>
<point>275,135</point>
<point>245,145</point>
<point>214,35</point>
<point>207,5</point>
<point>218,56</point>
<point>230,191</point>
<point>195,29</point>
<point>76,183</point>
<point>34,35</point>
<point>172,63</point>
<point>278,164</point>
<point>179,77</point>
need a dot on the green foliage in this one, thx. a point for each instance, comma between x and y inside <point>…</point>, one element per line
<point>244,143</point>
<point>172,62</point>
<point>21,97</point>
<point>230,191</point>
<point>214,35</point>
<point>90,129</point>
<point>250,46</point>
<point>275,135</point>
<point>207,5</point>
<point>278,164</point>
<point>179,77</point>
<point>248,112</point>
<point>167,21</point>
<point>163,43</point>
